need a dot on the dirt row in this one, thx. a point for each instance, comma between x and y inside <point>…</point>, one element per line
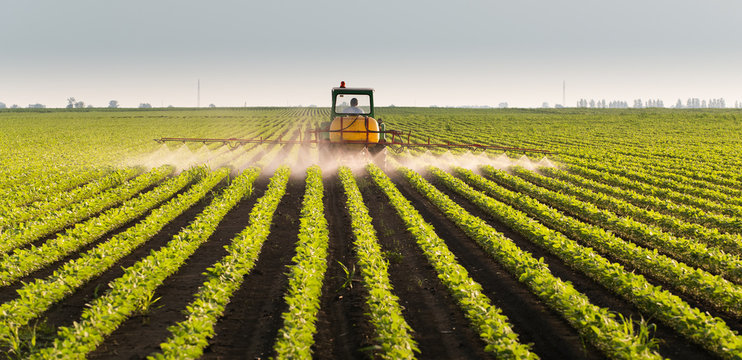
<point>671,345</point>
<point>253,317</point>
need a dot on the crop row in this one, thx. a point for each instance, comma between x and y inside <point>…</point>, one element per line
<point>685,212</point>
<point>711,333</point>
<point>134,289</point>
<point>64,198</point>
<point>692,177</point>
<point>190,336</point>
<point>29,231</point>
<point>679,169</point>
<point>36,297</point>
<point>23,261</point>
<point>493,327</point>
<point>713,289</point>
<point>39,187</point>
<point>707,199</point>
<point>692,252</point>
<point>393,332</point>
<point>597,325</point>
<point>664,179</point>
<point>711,213</point>
<point>728,242</point>
<point>295,337</point>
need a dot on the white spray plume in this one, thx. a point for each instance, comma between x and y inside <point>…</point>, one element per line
<point>301,158</point>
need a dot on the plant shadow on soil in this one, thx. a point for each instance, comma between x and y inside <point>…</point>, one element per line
<point>252,319</point>
<point>671,344</point>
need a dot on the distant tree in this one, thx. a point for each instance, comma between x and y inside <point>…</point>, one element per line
<point>545,105</point>
<point>638,104</point>
<point>36,106</point>
<point>2,105</point>
<point>70,102</point>
<point>212,105</point>
<point>679,104</point>
<point>15,106</point>
<point>145,106</point>
<point>90,106</point>
<point>503,105</point>
<point>654,103</point>
<point>618,104</point>
<point>113,104</point>
<point>592,103</point>
<point>721,103</point>
<point>79,105</point>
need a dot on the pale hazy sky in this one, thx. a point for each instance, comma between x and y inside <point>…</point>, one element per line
<point>412,52</point>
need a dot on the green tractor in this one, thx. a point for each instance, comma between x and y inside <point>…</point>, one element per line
<point>353,129</point>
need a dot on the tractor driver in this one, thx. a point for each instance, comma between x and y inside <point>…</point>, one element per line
<point>353,109</point>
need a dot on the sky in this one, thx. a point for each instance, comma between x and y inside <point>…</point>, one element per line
<point>413,53</point>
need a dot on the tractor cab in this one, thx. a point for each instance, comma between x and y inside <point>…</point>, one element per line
<point>352,101</point>
<point>352,121</point>
<point>352,126</point>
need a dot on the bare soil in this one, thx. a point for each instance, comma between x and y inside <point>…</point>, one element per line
<point>253,317</point>
<point>671,344</point>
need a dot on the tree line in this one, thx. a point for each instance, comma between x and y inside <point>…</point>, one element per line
<point>690,103</point>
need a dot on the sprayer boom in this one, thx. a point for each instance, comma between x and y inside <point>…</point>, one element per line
<point>352,126</point>
<point>396,140</point>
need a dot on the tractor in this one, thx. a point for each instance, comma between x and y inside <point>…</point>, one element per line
<point>352,129</point>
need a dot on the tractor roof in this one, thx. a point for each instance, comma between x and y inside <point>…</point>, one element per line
<point>351,90</point>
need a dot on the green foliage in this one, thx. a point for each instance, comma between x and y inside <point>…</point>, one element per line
<point>107,312</point>
<point>595,324</point>
<point>393,333</point>
<point>657,190</point>
<point>697,326</point>
<point>189,337</point>
<point>295,338</point>
<point>488,320</point>
<point>36,297</point>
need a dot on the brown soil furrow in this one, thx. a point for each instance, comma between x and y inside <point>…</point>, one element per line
<point>9,292</point>
<point>672,345</point>
<point>734,324</point>
<point>70,309</point>
<point>343,331</point>
<point>142,334</point>
<point>251,320</point>
<point>439,325</point>
<point>42,240</point>
<point>552,336</point>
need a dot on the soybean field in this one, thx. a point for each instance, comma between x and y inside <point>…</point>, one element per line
<point>624,242</point>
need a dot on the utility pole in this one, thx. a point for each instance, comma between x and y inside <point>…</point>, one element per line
<point>198,93</point>
<point>564,93</point>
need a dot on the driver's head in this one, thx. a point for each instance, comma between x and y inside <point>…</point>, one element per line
<point>353,102</point>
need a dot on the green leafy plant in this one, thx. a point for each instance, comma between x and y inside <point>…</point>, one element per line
<point>349,276</point>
